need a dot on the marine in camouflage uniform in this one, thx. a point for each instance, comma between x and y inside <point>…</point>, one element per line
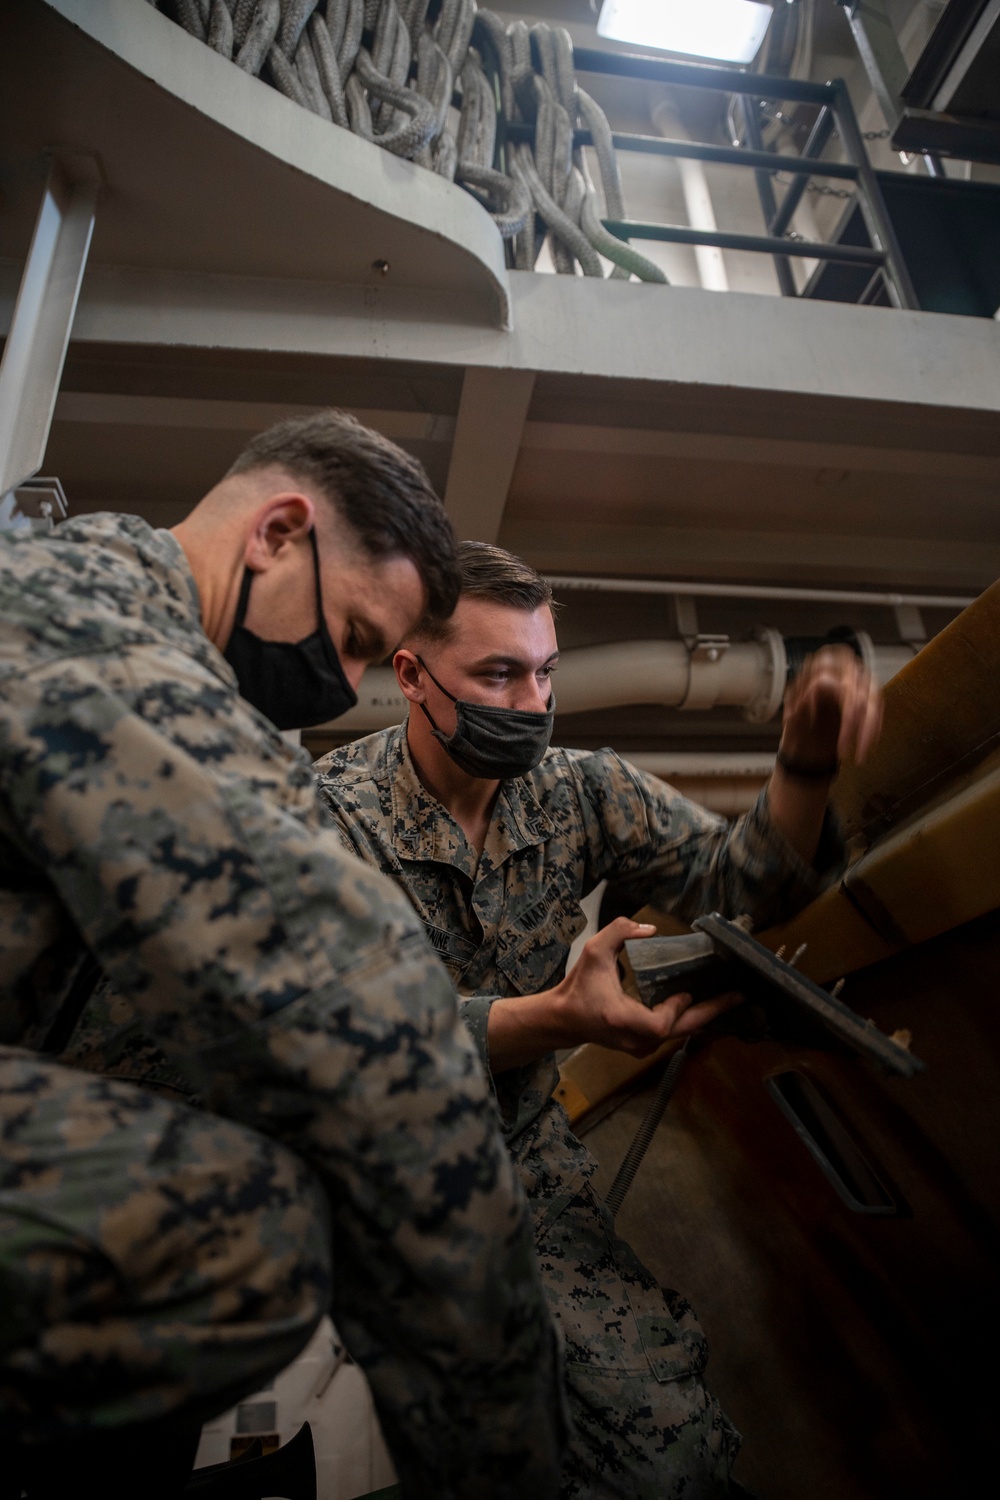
<point>645,1424</point>
<point>156,1259</point>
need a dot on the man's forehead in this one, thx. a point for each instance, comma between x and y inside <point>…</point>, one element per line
<point>483,628</point>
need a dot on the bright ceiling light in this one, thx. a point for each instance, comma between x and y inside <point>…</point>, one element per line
<point>724,30</point>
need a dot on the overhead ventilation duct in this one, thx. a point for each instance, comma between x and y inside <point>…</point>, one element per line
<point>710,672</point>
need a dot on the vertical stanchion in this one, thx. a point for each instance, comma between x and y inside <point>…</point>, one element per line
<point>876,217</point>
<point>765,192</point>
<point>40,328</point>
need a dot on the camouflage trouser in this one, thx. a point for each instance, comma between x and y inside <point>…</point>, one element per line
<point>154,1260</point>
<point>646,1428</point>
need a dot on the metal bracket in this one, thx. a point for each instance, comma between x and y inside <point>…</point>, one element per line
<point>910,624</point>
<point>36,505</point>
<point>701,645</point>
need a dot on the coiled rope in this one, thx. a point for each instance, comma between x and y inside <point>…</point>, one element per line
<point>388,71</point>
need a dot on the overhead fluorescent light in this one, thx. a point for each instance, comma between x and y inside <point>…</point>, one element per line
<point>723,30</point>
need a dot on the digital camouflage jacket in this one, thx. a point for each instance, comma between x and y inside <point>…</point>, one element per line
<point>504,924</point>
<point>153,821</point>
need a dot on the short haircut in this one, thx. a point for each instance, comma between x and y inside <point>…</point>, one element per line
<point>491,573</point>
<point>380,491</point>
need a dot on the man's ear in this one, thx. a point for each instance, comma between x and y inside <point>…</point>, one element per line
<point>280,522</point>
<point>407,669</point>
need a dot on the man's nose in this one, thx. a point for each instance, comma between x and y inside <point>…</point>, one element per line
<point>534,698</point>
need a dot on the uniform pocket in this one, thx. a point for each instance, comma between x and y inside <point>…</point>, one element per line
<point>536,937</point>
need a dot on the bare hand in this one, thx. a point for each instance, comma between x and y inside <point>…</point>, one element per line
<point>833,710</point>
<point>591,1006</point>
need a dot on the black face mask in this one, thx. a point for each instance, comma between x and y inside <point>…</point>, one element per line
<point>494,743</point>
<point>295,684</point>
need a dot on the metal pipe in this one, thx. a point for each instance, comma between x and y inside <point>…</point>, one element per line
<point>725,156</point>
<point>579,583</point>
<point>632,229</point>
<point>695,75</point>
<point>748,675</point>
<point>816,143</point>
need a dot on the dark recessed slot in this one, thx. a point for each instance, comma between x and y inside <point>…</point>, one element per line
<point>831,1144</point>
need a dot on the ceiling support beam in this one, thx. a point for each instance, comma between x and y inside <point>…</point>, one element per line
<point>488,432</point>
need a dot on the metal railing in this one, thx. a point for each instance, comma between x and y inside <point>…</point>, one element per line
<point>836,113</point>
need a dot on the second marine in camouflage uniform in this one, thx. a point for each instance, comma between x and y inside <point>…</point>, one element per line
<point>503,924</point>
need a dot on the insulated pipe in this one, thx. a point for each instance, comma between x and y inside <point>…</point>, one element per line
<point>750,675</point>
<point>576,583</point>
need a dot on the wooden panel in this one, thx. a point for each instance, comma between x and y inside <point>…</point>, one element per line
<point>942,715</point>
<point>854,1352</point>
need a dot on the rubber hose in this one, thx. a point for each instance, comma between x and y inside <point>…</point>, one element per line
<point>336,20</point>
<point>445,155</point>
<point>263,30</point>
<point>526,243</point>
<point>325,55</point>
<point>190,16</point>
<point>445,28</point>
<point>293,23</point>
<point>462,35</point>
<point>570,206</point>
<point>541,35</point>
<point>494,30</point>
<point>467,139</point>
<point>511,217</point>
<point>420,125</point>
<point>418,19</point>
<point>615,1197</point>
<point>596,122</point>
<point>562,154</point>
<point>562,55</point>
<point>399,72</point>
<point>348,50</point>
<point>383,42</point>
<point>614,249</point>
<point>559,224</point>
<point>544,130</point>
<point>434,79</point>
<point>309,77</point>
<point>385,36</point>
<point>285,77</point>
<point>220,30</point>
<point>488,121</point>
<point>242,16</point>
<point>358,112</point>
<point>520,47</point>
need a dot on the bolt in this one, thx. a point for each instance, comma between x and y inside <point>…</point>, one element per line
<point>381,266</point>
<point>838,987</point>
<point>797,955</point>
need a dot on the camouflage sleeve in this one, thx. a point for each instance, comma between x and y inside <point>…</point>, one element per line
<point>295,989</point>
<point>656,847</point>
<point>474,1009</point>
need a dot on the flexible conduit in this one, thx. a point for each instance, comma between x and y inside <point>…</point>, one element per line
<point>388,70</point>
